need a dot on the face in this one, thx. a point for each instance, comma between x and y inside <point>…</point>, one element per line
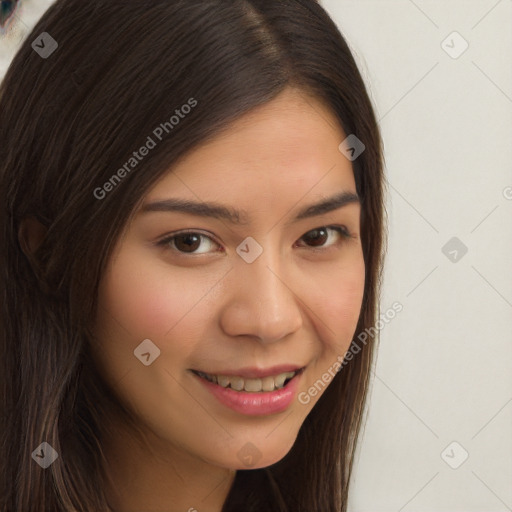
<point>217,328</point>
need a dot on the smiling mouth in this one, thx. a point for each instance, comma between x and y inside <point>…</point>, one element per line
<point>258,385</point>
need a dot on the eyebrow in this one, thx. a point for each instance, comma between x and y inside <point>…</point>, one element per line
<point>234,216</point>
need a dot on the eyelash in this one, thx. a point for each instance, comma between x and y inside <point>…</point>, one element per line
<point>341,230</point>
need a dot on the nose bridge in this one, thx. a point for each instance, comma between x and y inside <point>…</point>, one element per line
<point>264,304</point>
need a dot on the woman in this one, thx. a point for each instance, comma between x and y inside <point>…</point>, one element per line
<point>192,237</point>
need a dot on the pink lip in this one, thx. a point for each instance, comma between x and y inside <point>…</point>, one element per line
<point>255,404</point>
<point>255,373</point>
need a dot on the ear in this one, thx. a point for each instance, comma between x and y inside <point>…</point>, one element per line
<point>30,235</point>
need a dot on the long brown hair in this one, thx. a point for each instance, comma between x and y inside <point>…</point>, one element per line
<point>68,119</point>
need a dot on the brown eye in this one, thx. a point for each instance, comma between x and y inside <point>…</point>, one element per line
<point>187,243</point>
<point>318,236</point>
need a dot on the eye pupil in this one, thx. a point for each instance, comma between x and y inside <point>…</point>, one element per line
<point>313,235</point>
<point>191,242</point>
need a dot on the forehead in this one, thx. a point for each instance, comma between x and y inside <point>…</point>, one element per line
<point>280,151</point>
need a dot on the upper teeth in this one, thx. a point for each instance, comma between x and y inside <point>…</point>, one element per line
<point>251,385</point>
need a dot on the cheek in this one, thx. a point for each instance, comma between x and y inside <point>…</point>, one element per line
<point>150,300</point>
<point>139,304</point>
<point>337,305</point>
<point>141,299</point>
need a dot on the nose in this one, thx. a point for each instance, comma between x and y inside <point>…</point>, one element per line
<point>262,303</point>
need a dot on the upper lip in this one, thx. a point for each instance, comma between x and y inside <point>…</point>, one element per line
<point>254,372</point>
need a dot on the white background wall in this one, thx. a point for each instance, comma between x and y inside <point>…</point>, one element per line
<point>444,369</point>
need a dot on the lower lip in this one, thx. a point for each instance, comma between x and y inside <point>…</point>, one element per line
<point>255,404</point>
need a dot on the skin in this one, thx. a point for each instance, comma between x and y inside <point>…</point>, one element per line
<point>210,309</point>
